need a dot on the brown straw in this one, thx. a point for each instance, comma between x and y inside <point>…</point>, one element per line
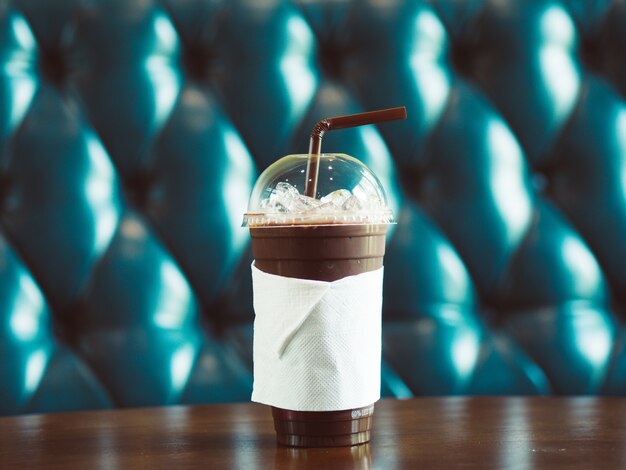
<point>341,122</point>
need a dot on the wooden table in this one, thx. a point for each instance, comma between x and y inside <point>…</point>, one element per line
<point>418,433</point>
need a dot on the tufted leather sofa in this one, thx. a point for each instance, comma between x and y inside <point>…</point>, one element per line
<point>131,133</point>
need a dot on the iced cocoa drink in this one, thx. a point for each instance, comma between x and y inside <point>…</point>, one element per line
<point>332,230</point>
<point>323,253</point>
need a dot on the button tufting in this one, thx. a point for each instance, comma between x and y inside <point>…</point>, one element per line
<point>53,66</point>
<point>124,272</point>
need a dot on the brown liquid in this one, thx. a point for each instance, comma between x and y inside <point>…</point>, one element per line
<point>323,253</point>
<point>319,252</point>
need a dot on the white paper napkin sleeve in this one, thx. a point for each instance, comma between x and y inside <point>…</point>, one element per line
<point>317,345</point>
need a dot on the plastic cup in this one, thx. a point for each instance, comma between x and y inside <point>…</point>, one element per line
<point>326,244</point>
<point>321,217</point>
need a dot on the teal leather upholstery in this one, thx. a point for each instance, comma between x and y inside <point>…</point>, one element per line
<point>132,131</point>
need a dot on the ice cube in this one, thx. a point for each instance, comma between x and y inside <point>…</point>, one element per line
<point>287,198</point>
<point>305,204</point>
<point>352,204</point>
<point>336,199</point>
<point>285,189</point>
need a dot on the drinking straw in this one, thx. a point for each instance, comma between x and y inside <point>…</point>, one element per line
<point>341,122</point>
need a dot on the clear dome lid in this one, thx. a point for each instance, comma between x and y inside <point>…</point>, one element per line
<point>347,193</point>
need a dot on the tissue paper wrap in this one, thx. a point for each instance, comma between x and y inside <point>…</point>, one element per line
<point>317,344</point>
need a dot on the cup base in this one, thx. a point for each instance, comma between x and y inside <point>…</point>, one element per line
<point>292,440</point>
<point>323,428</point>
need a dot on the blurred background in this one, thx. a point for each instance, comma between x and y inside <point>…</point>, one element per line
<point>132,131</point>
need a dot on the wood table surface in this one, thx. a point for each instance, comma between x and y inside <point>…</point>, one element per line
<point>448,432</point>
